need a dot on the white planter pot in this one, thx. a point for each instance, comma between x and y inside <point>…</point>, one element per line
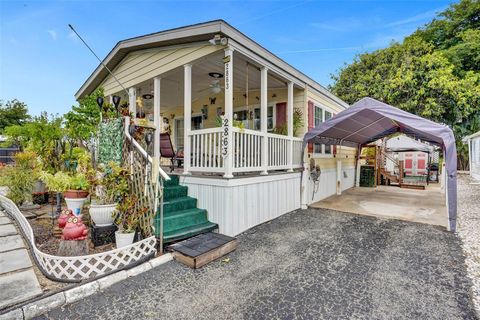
<point>75,205</point>
<point>123,239</point>
<point>102,214</point>
<point>39,187</point>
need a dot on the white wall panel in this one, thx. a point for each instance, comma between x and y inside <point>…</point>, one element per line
<point>240,204</point>
<point>327,184</point>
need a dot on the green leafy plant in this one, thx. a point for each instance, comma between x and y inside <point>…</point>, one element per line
<point>79,182</point>
<point>111,183</point>
<point>128,215</point>
<point>297,124</point>
<point>297,120</point>
<point>21,177</point>
<point>58,182</point>
<point>61,181</point>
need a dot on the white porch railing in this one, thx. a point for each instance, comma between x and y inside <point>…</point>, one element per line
<point>206,154</point>
<point>247,151</point>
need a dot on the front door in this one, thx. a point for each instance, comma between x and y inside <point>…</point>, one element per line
<point>408,157</point>
<point>415,163</point>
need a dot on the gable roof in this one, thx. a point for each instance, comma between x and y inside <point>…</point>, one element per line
<point>189,34</point>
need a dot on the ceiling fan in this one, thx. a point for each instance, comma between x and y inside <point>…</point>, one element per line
<point>215,87</point>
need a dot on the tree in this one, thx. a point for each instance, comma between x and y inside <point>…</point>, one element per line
<point>435,72</point>
<point>12,112</point>
<point>45,135</point>
<point>82,120</point>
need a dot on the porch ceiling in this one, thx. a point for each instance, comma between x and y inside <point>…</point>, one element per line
<point>172,82</point>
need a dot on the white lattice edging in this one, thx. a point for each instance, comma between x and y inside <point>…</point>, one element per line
<point>81,267</point>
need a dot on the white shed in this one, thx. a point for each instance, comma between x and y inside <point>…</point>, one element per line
<point>473,142</point>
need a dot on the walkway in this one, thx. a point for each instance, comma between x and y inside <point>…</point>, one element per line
<point>18,281</point>
<point>309,264</point>
<point>424,206</point>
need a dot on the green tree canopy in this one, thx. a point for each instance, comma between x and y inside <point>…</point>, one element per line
<point>82,120</point>
<point>435,72</point>
<point>12,112</point>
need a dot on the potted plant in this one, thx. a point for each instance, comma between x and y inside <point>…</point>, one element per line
<point>74,188</point>
<point>78,186</point>
<point>111,186</point>
<point>127,221</point>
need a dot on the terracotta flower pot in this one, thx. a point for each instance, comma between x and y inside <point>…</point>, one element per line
<point>75,194</point>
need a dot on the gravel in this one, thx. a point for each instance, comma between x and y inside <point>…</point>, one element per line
<point>468,229</point>
<point>308,264</point>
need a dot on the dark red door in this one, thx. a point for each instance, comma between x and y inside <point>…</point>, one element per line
<point>281,114</point>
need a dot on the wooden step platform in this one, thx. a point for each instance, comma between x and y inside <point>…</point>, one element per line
<point>412,186</point>
<point>197,251</point>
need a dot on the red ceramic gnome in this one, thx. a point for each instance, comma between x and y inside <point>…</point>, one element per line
<point>64,215</point>
<point>74,229</point>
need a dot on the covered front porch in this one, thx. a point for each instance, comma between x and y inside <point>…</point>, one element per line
<point>228,113</point>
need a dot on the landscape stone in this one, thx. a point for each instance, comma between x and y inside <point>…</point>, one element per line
<point>7,230</point>
<point>11,243</point>
<point>14,260</point>
<point>17,287</point>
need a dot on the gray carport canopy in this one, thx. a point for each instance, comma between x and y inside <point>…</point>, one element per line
<point>369,120</point>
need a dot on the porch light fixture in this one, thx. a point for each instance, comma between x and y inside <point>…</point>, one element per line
<point>100,103</point>
<point>116,102</point>
<point>216,75</point>
<point>147,96</point>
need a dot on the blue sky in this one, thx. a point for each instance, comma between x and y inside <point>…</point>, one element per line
<point>43,64</point>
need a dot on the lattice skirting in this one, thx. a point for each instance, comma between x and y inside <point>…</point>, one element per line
<point>74,269</point>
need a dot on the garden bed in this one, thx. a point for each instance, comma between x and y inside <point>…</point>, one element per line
<point>44,231</point>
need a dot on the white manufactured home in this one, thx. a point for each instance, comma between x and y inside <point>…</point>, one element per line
<point>473,142</point>
<point>237,115</point>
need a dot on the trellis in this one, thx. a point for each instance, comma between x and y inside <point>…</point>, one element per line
<point>149,194</point>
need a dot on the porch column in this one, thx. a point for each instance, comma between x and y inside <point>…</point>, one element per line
<point>187,116</point>
<point>227,134</point>
<point>110,99</point>
<point>263,118</point>
<point>132,101</point>
<point>157,123</point>
<point>290,125</point>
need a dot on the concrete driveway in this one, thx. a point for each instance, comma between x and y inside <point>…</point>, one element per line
<point>424,206</point>
<point>309,264</point>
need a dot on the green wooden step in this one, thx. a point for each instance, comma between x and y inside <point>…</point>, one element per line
<point>174,181</point>
<point>188,232</point>
<point>178,204</point>
<point>183,219</point>
<point>173,192</point>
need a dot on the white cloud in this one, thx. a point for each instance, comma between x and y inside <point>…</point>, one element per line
<point>53,34</point>
<point>321,50</point>
<point>340,24</point>
<point>425,16</point>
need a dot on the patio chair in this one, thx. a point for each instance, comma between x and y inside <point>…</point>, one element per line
<point>167,151</point>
